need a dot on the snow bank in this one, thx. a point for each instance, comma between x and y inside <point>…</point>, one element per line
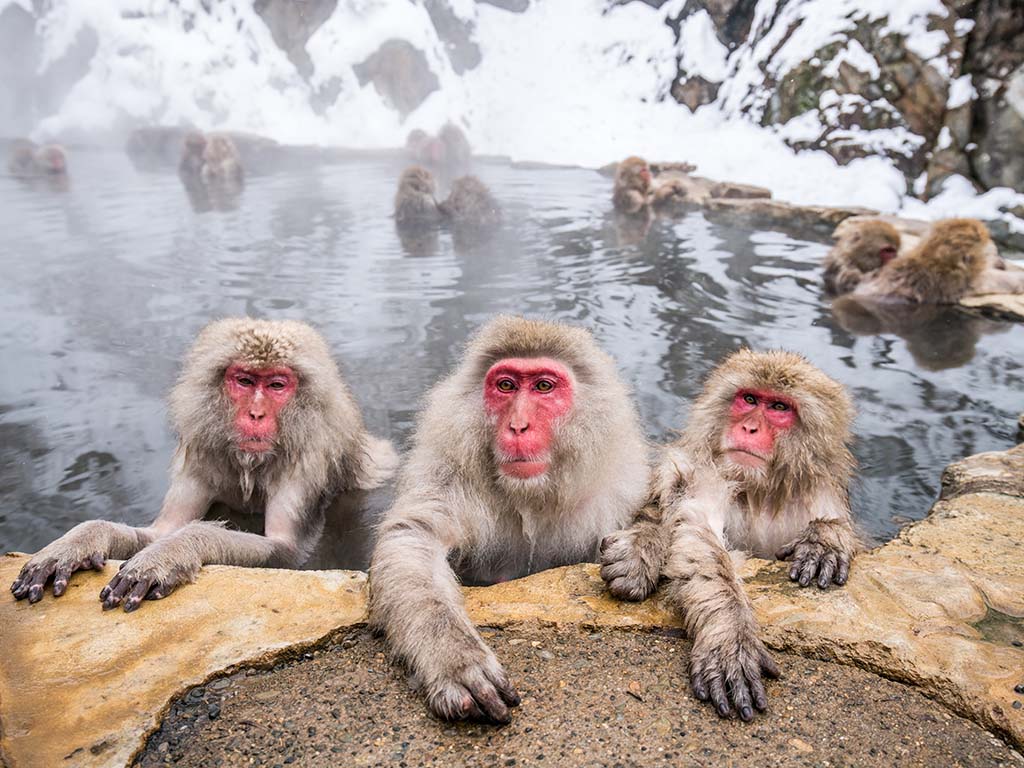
<point>571,81</point>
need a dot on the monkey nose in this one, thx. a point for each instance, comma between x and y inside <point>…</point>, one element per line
<point>518,429</point>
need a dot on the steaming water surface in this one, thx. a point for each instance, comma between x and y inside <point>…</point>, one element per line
<point>106,283</point>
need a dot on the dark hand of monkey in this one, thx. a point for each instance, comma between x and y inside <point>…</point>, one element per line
<point>152,574</point>
<point>726,666</point>
<point>816,557</point>
<point>479,692</point>
<point>34,576</point>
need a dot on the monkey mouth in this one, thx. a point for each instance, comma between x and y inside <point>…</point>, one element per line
<point>523,467</point>
<point>745,458</point>
<point>255,444</point>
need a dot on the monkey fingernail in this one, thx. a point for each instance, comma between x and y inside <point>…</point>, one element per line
<point>59,587</point>
<point>35,593</point>
<point>104,592</point>
<point>747,714</point>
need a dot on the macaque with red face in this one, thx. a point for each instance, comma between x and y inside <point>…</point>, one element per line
<point>862,248</point>
<point>763,466</point>
<point>632,191</point>
<point>524,458</point>
<point>266,426</point>
<point>26,160</point>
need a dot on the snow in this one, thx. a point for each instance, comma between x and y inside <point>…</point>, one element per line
<point>961,91</point>
<point>573,81</point>
<point>858,58</point>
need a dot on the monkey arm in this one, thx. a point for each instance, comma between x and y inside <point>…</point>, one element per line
<point>631,559</point>
<point>90,544</point>
<point>728,658</point>
<point>176,558</point>
<point>416,601</point>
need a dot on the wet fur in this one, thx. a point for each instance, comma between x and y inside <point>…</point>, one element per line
<point>415,201</point>
<point>856,253</point>
<point>631,192</point>
<point>703,508</point>
<point>455,513</point>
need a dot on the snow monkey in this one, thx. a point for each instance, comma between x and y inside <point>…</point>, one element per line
<point>210,158</point>
<point>956,258</point>
<point>523,459</point>
<point>266,425</point>
<point>26,159</point>
<point>762,466</point>
<point>415,204</point>
<point>634,189</point>
<point>471,204</point>
<point>862,248</point>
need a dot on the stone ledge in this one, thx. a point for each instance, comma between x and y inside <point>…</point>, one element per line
<point>933,608</point>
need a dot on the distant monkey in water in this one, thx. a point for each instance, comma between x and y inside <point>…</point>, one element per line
<point>415,201</point>
<point>449,151</point>
<point>210,158</point>
<point>471,204</point>
<point>863,247</point>
<point>635,191</point>
<point>524,458</point>
<point>27,160</point>
<point>763,466</point>
<point>265,425</point>
<point>956,258</point>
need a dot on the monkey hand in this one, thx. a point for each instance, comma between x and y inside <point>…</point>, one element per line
<point>630,569</point>
<point>821,553</point>
<point>83,547</point>
<point>152,574</point>
<point>726,665</point>
<point>475,687</point>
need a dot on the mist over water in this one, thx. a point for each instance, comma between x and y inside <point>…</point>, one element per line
<point>106,283</point>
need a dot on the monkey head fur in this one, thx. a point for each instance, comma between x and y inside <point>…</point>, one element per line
<point>601,412</point>
<point>813,452</point>
<point>414,201</point>
<point>858,252</point>
<point>632,185</point>
<point>320,431</point>
<point>944,266</point>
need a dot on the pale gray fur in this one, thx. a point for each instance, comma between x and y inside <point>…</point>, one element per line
<point>703,506</point>
<point>455,510</point>
<point>322,449</point>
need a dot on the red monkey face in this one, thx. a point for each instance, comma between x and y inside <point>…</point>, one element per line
<point>887,254</point>
<point>258,395</point>
<point>756,419</point>
<point>525,397</point>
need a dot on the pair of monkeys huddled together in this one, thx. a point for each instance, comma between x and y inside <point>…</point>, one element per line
<point>527,456</point>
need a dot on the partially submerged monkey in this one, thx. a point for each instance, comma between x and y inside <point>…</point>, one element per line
<point>471,204</point>
<point>266,425</point>
<point>956,258</point>
<point>862,248</point>
<point>763,465</point>
<point>415,201</point>
<point>27,160</point>
<point>635,191</point>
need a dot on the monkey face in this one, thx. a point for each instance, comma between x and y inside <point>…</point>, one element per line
<point>525,398</point>
<point>258,395</point>
<point>756,419</point>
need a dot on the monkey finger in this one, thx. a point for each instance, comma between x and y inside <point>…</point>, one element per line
<point>794,570</point>
<point>137,594</point>
<point>827,569</point>
<point>786,552</point>
<point>60,579</point>
<point>159,592</point>
<point>486,697</point>
<point>808,569</point>
<point>757,692</point>
<point>38,583</point>
<point>505,689</point>
<point>843,571</point>
<point>740,695</point>
<point>768,666</point>
<point>117,592</point>
<point>718,697</point>
<point>96,561</point>
<point>606,542</point>
<point>700,688</point>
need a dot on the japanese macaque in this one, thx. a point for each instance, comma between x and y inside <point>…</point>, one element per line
<point>523,459</point>
<point>956,258</point>
<point>415,203</point>
<point>669,196</point>
<point>632,190</point>
<point>213,159</point>
<point>471,204</point>
<point>449,151</point>
<point>267,426</point>
<point>863,247</point>
<point>27,160</point>
<point>763,465</point>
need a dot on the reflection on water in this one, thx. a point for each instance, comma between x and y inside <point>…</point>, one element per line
<point>106,283</point>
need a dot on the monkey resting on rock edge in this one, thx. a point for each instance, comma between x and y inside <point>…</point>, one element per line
<point>524,458</point>
<point>763,465</point>
<point>267,425</point>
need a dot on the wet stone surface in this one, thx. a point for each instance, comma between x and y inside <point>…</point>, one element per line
<point>609,698</point>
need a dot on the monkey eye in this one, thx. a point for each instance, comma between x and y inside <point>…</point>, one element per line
<point>749,399</point>
<point>278,385</point>
<point>778,405</point>
<point>506,385</point>
<point>245,381</point>
<point>544,385</point>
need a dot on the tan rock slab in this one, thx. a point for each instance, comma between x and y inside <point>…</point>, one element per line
<point>938,607</point>
<point>999,306</point>
<point>82,687</point>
